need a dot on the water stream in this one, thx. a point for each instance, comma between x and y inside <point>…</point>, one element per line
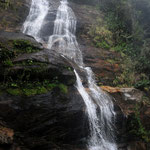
<point>99,106</point>
<point>35,19</point>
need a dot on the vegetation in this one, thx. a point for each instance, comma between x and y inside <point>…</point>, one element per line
<point>12,49</point>
<point>24,88</point>
<point>125,28</point>
<point>136,128</point>
<point>26,82</point>
<point>24,46</point>
<point>100,35</point>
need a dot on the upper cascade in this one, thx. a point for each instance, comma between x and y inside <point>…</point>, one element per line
<point>63,38</point>
<point>35,19</point>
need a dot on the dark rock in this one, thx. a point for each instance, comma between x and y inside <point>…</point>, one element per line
<point>54,120</point>
<point>44,119</point>
<point>128,99</point>
<point>48,64</point>
<point>9,36</point>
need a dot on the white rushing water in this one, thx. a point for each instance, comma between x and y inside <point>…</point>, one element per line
<point>63,38</point>
<point>35,19</point>
<point>99,106</point>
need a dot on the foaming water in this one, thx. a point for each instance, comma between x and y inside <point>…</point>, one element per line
<point>99,106</point>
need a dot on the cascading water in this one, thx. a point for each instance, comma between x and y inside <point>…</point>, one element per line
<point>100,108</point>
<point>63,36</point>
<point>35,19</point>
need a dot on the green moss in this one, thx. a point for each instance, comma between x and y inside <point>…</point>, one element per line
<point>24,46</point>
<point>14,92</point>
<point>34,91</point>
<point>63,88</point>
<point>27,88</point>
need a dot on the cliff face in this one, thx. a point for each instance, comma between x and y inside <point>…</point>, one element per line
<point>13,14</point>
<point>40,106</point>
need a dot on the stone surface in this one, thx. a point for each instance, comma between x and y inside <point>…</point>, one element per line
<point>6,135</point>
<point>46,121</point>
<point>54,120</point>
<point>126,98</point>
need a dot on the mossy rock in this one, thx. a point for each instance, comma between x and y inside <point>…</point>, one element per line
<point>31,89</point>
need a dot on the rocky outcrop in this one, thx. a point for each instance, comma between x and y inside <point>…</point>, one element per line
<point>47,121</point>
<point>136,123</point>
<point>6,135</point>
<point>40,106</point>
<point>126,98</point>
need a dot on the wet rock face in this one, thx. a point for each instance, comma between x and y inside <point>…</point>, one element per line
<point>131,103</point>
<point>39,111</point>
<point>43,64</point>
<point>126,98</point>
<point>46,121</point>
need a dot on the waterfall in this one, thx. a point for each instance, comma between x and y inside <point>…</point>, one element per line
<point>35,19</point>
<point>99,106</point>
<point>63,38</point>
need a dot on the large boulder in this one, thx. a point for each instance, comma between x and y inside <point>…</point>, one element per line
<point>40,105</point>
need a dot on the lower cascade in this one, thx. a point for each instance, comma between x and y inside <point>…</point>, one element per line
<point>99,106</point>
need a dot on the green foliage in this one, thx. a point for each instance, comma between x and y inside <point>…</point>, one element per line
<point>136,128</point>
<point>143,61</point>
<point>12,49</point>
<point>129,27</point>
<point>100,35</point>
<point>14,92</point>
<point>127,77</point>
<point>142,84</point>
